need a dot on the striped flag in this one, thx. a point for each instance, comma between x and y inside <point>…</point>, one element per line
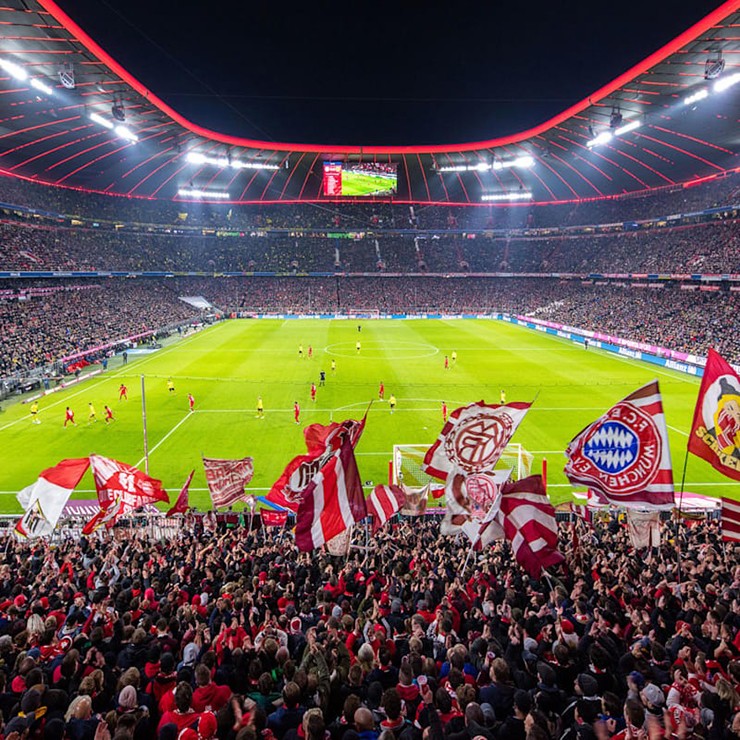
<point>383,503</point>
<point>730,520</point>
<point>333,500</point>
<point>44,500</point>
<point>579,507</point>
<point>625,454</point>
<point>529,524</point>
<point>227,479</point>
<point>274,518</point>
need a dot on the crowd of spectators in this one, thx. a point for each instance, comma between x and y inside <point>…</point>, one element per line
<point>712,247</point>
<point>360,215</point>
<point>69,317</point>
<point>238,636</point>
<point>37,329</point>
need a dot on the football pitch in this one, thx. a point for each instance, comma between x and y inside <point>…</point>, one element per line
<point>227,366</point>
<point>360,183</point>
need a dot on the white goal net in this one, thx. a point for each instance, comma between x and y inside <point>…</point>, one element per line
<point>407,461</point>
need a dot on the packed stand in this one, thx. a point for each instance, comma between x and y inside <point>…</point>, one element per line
<point>237,636</point>
<point>38,326</point>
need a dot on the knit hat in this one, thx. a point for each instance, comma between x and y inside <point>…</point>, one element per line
<point>128,699</point>
<point>587,684</point>
<point>653,695</point>
<point>567,626</point>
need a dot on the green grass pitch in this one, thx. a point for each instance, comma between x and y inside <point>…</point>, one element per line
<point>228,365</point>
<point>358,183</point>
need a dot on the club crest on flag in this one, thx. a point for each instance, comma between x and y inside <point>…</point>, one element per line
<point>477,442</point>
<point>473,439</point>
<point>715,431</point>
<point>624,455</point>
<point>621,453</point>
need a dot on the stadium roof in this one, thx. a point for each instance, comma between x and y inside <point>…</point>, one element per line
<point>646,134</point>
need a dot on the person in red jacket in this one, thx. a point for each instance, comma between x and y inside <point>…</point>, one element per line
<point>208,696</point>
<point>183,715</point>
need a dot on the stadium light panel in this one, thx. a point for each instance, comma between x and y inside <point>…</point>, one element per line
<point>126,133</point>
<point>41,86</point>
<point>223,162</point>
<point>726,82</point>
<point>101,121</point>
<point>696,97</point>
<point>13,69</point>
<point>519,195</point>
<point>203,194</point>
<point>603,138</point>
<point>523,162</point>
<point>631,126</point>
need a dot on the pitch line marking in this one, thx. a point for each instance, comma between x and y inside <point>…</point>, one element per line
<point>106,376</point>
<point>166,436</point>
<point>678,431</point>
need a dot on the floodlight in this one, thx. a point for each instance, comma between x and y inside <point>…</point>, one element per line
<point>714,67</point>
<point>519,195</point>
<point>523,162</point>
<point>195,158</point>
<point>726,82</point>
<point>100,120</point>
<point>203,194</point>
<point>42,86</point>
<point>602,138</point>
<point>13,69</point>
<point>696,97</point>
<point>631,126</point>
<point>126,133</point>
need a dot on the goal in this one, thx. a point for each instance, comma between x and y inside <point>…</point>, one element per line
<point>362,313</point>
<point>407,460</point>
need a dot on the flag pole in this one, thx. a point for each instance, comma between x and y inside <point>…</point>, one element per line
<point>678,515</point>
<point>143,423</point>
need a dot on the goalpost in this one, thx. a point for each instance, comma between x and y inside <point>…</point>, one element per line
<point>362,313</point>
<point>407,459</point>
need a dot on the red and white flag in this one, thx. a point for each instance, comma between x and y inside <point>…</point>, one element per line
<point>333,500</point>
<point>383,503</point>
<point>227,479</point>
<point>274,518</point>
<point>44,500</point>
<point>322,442</point>
<point>715,431</point>
<point>530,525</point>
<point>730,520</point>
<point>625,454</point>
<point>121,490</point>
<point>579,507</point>
<point>643,528</point>
<point>415,500</point>
<point>183,498</point>
<point>473,439</point>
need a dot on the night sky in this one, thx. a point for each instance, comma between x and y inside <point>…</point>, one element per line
<point>381,72</point>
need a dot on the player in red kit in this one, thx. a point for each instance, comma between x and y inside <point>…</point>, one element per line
<point>447,363</point>
<point>381,391</point>
<point>69,417</point>
<point>191,401</point>
<point>444,411</point>
<point>108,414</point>
<point>313,392</point>
<point>310,351</point>
<point>123,393</point>
<point>296,412</point>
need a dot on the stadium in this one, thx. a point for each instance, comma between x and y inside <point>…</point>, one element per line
<point>367,441</point>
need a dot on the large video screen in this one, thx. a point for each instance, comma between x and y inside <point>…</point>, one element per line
<point>358,179</point>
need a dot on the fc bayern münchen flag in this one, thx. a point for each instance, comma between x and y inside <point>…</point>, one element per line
<point>625,454</point>
<point>227,479</point>
<point>473,439</point>
<point>715,431</point>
